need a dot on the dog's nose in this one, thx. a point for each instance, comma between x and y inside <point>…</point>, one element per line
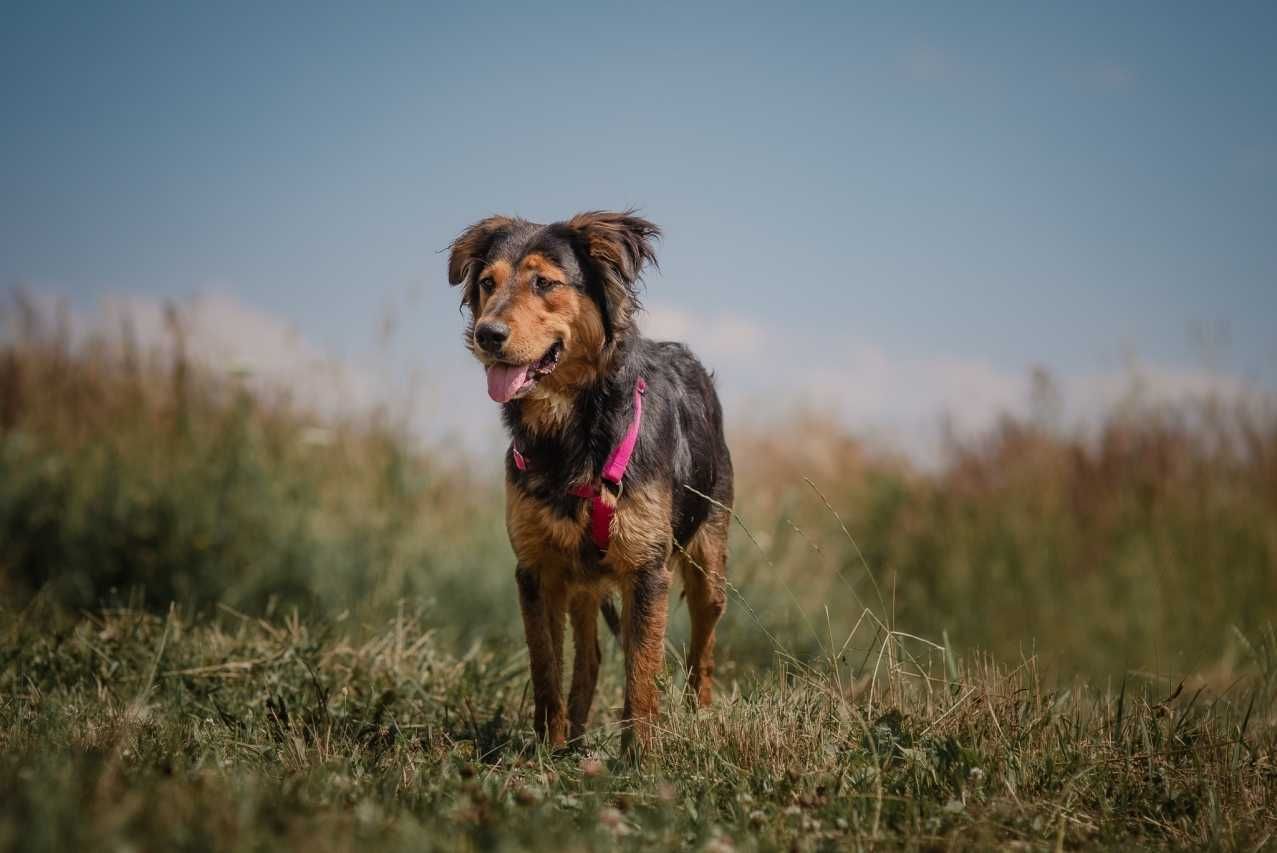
<point>491,336</point>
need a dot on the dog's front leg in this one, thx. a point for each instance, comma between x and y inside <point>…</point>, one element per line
<point>584,611</point>
<point>542,608</point>
<point>646,592</point>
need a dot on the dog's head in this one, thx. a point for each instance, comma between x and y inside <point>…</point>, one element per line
<point>547,303</point>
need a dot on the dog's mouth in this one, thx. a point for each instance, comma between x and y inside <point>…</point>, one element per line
<point>510,381</point>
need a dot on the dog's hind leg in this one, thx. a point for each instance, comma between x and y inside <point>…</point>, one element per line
<point>704,569</point>
<point>583,610</point>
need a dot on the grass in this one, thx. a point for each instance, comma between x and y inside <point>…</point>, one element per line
<point>226,623</point>
<point>126,729</point>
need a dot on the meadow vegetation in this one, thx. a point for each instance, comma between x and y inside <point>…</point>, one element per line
<point>228,623</point>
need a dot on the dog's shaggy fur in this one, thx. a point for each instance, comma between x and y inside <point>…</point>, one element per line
<point>551,311</point>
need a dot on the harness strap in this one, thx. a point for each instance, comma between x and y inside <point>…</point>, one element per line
<point>614,468</point>
<point>619,460</point>
<point>600,514</point>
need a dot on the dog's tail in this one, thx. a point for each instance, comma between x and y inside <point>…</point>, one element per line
<point>611,617</point>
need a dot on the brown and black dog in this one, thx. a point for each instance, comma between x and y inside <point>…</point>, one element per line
<point>552,321</point>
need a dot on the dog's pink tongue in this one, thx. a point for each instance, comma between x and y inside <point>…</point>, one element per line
<point>504,381</point>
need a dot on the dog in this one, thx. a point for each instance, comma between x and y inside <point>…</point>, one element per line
<point>618,471</point>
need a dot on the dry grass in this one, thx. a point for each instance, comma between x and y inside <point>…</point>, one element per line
<point>233,733</point>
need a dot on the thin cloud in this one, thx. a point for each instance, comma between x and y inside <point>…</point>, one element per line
<point>901,399</point>
<point>925,63</point>
<point>227,335</point>
<point>437,399</point>
<point>1258,160</point>
<point>726,334</point>
<point>1106,76</point>
<point>763,373</point>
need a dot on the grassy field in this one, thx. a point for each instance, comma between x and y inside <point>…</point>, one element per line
<point>227,624</point>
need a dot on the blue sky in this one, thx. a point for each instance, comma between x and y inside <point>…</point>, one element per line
<point>975,187</point>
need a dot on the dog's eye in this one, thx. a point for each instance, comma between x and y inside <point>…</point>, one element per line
<point>543,284</point>
<point>487,284</point>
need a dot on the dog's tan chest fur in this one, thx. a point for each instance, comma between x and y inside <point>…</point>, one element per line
<point>539,535</point>
<point>640,531</point>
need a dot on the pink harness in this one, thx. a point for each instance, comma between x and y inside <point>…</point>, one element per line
<point>613,472</point>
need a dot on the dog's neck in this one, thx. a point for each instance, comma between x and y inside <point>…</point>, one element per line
<point>569,429</point>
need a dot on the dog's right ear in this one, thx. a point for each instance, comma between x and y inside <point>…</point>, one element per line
<point>472,247</point>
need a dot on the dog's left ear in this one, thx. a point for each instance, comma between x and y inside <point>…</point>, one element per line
<point>618,246</point>
<point>471,248</point>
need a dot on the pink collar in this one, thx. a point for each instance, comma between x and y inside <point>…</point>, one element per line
<point>613,472</point>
